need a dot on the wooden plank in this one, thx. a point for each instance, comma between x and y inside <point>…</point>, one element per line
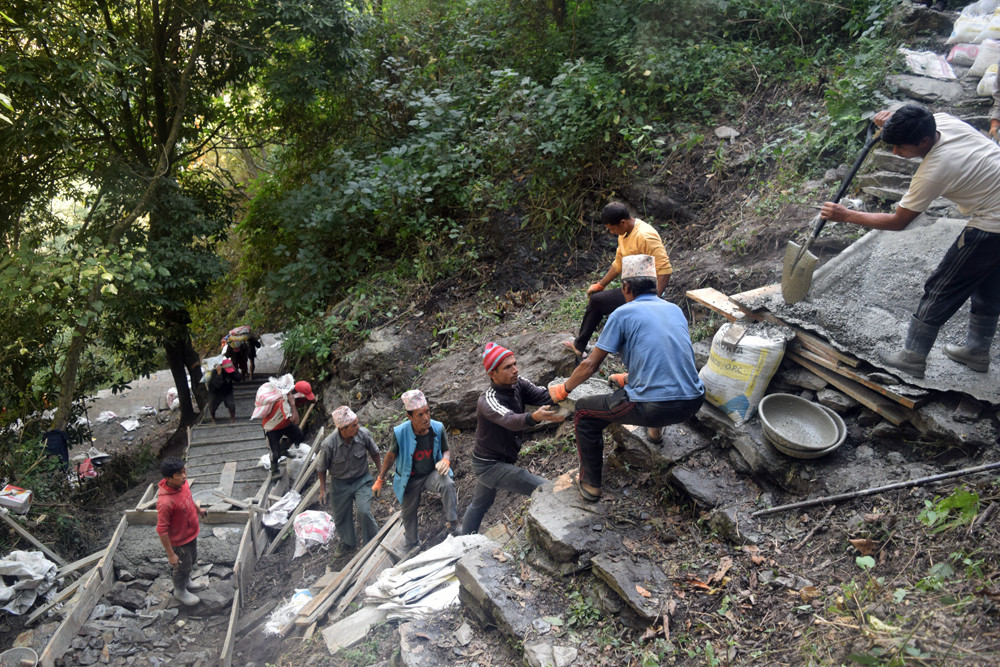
<point>306,501</point>
<point>226,657</point>
<point>751,295</point>
<point>895,413</point>
<point>313,605</point>
<point>349,631</point>
<point>378,562</point>
<point>717,301</point>
<point>246,559</point>
<point>226,480</point>
<point>814,342</point>
<point>148,498</point>
<point>148,518</point>
<point>23,532</point>
<point>313,459</point>
<point>82,563</point>
<point>249,621</point>
<point>59,597</point>
<point>88,594</point>
<point>850,374</point>
<point>106,565</point>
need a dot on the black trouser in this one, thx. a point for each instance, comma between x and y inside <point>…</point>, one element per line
<point>226,399</point>
<point>969,270</point>
<point>599,306</point>
<point>187,556</point>
<point>594,413</point>
<point>295,436</point>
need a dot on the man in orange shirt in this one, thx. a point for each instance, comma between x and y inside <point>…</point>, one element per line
<point>177,526</point>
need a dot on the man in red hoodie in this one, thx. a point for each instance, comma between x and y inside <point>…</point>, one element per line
<point>177,526</point>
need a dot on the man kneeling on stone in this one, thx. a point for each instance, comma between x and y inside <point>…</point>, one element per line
<point>344,454</point>
<point>500,419</point>
<point>420,451</point>
<point>662,385</point>
<point>177,526</point>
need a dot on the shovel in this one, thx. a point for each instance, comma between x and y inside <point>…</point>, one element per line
<point>796,276</point>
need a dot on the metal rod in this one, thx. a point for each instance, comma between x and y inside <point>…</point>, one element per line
<point>877,489</point>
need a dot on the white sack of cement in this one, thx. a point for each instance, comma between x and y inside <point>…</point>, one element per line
<point>208,364</point>
<point>277,514</point>
<point>311,528</point>
<point>284,614</point>
<point>985,87</point>
<point>967,29</point>
<point>735,378</point>
<point>987,53</point>
<point>964,55</point>
<point>130,424</point>
<point>172,401</point>
<point>927,63</point>
<point>426,583</point>
<point>264,462</point>
<point>106,417</point>
<point>34,575</point>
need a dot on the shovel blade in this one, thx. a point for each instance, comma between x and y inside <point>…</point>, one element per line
<point>796,276</point>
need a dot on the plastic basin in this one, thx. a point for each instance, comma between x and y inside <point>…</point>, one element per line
<point>793,423</point>
<point>16,657</point>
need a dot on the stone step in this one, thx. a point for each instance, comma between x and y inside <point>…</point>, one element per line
<point>887,161</point>
<point>679,442</point>
<point>888,194</point>
<point>715,486</point>
<point>889,180</point>
<point>625,574</point>
<point>568,529</point>
<point>930,91</point>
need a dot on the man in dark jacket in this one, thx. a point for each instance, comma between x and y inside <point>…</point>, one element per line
<point>500,419</point>
<point>220,387</point>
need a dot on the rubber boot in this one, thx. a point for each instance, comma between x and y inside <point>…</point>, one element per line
<point>976,352</point>
<point>185,597</point>
<point>193,586</point>
<point>912,359</point>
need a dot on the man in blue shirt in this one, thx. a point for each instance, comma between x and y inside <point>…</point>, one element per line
<point>662,384</point>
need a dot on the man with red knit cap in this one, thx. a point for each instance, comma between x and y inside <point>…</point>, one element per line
<point>500,419</point>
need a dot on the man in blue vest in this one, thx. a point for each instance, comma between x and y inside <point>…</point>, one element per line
<point>420,451</point>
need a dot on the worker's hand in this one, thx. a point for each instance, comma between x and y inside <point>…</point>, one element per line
<point>443,466</point>
<point>596,287</point>
<point>834,212</point>
<point>881,117</point>
<point>322,496</point>
<point>202,511</point>
<point>995,129</point>
<point>618,379</point>
<point>548,413</point>
<point>377,487</point>
<point>173,559</point>
<point>558,393</point>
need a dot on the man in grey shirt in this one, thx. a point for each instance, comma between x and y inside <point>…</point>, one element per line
<point>343,454</point>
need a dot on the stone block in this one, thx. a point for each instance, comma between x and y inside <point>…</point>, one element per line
<point>624,573</point>
<point>925,89</point>
<point>836,401</point>
<point>679,442</point>
<point>711,488</point>
<point>887,161</point>
<point>885,179</point>
<point>800,377</point>
<point>886,194</point>
<point>126,597</point>
<point>547,653</point>
<point>935,420</point>
<point>733,526</point>
<point>562,524</point>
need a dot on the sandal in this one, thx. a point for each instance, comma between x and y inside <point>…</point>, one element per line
<point>568,344</point>
<point>584,493</point>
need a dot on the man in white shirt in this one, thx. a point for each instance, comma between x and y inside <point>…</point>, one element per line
<point>962,165</point>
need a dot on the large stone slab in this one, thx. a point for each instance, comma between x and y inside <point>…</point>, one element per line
<point>885,179</point>
<point>569,529</point>
<point>888,161</point>
<point>937,420</point>
<point>716,487</point>
<point>453,384</point>
<point>630,576</point>
<point>926,89</point>
<point>679,442</point>
<point>495,593</point>
<point>349,631</point>
<point>426,643</point>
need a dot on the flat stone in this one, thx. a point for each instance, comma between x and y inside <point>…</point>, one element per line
<point>592,387</point>
<point>624,575</point>
<point>885,179</point>
<point>800,377</point>
<point>926,89</point>
<point>494,593</point>
<point>548,654</point>
<point>711,488</point>
<point>886,194</point>
<point>561,523</point>
<point>733,526</point>
<point>464,634</point>
<point>126,597</point>
<point>836,401</point>
<point>679,442</point>
<point>935,420</point>
<point>418,646</point>
<point>968,410</point>
<point>887,161</point>
<point>215,600</point>
<point>452,397</point>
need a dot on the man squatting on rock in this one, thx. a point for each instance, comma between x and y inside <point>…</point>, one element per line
<point>281,423</point>
<point>635,237</point>
<point>962,165</point>
<point>177,526</point>
<point>500,419</point>
<point>344,455</point>
<point>420,451</point>
<point>662,384</point>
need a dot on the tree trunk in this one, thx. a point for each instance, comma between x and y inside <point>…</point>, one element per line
<point>68,387</point>
<point>178,369</point>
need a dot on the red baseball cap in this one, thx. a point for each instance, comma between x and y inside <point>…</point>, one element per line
<point>227,365</point>
<point>305,389</point>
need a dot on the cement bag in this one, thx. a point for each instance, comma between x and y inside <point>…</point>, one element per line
<point>986,84</point>
<point>270,392</point>
<point>311,527</point>
<point>963,55</point>
<point>992,29</point>
<point>735,378</point>
<point>968,28</point>
<point>989,54</point>
<point>927,63</point>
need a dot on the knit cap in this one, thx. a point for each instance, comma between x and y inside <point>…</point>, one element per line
<point>492,354</point>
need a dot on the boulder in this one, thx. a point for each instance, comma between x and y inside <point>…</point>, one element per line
<point>734,526</point>
<point>563,525</point>
<point>215,600</point>
<point>123,596</point>
<point>935,420</point>
<point>918,20</point>
<point>800,377</point>
<point>453,384</point>
<point>925,89</point>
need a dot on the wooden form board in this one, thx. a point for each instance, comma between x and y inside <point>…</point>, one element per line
<point>226,657</point>
<point>308,499</point>
<point>717,301</point>
<point>876,402</point>
<point>59,597</point>
<point>31,538</point>
<point>148,517</point>
<point>851,374</point>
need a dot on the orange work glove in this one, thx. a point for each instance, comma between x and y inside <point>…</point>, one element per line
<point>377,487</point>
<point>558,393</point>
<point>596,287</point>
<point>618,379</point>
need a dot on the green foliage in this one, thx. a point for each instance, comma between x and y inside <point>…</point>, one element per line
<point>582,612</point>
<point>957,509</point>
